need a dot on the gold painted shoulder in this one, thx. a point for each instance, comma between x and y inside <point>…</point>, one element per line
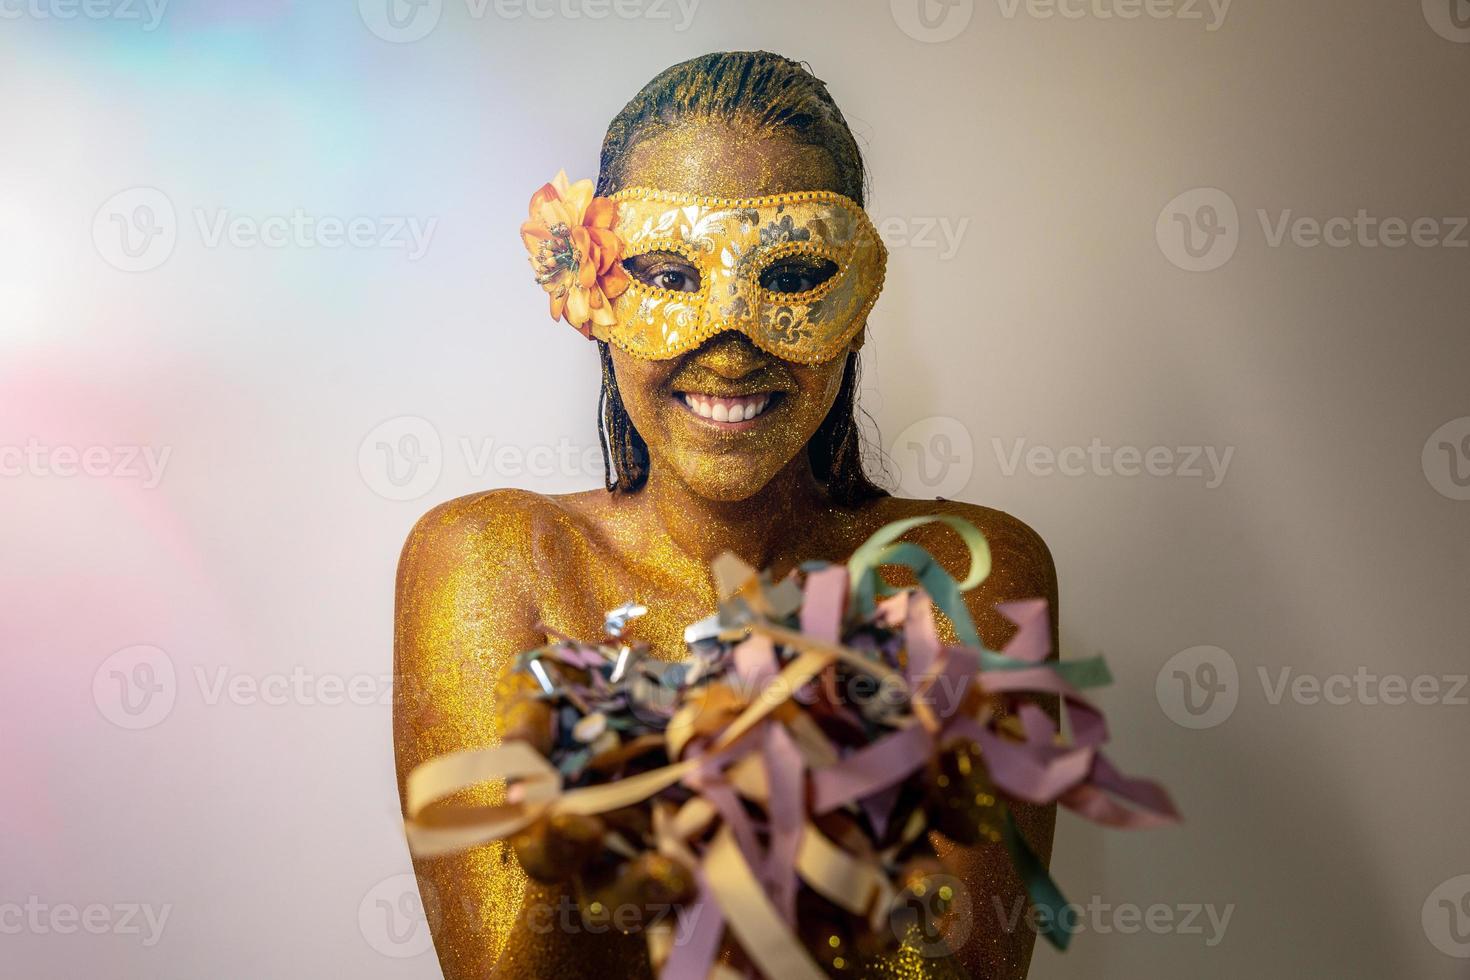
<point>1021,565</point>
<point>1019,556</point>
<point>465,606</point>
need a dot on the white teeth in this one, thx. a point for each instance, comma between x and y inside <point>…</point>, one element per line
<point>726,410</point>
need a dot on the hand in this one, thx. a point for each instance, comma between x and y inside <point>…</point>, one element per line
<point>572,848</point>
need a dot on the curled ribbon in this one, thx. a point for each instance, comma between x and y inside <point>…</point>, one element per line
<point>769,755</point>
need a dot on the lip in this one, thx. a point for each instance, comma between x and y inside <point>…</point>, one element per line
<point>776,396</point>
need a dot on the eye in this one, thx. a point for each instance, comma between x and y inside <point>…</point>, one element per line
<point>664,270</point>
<point>797,275</point>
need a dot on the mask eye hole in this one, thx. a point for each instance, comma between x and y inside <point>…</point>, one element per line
<point>664,270</point>
<point>797,275</point>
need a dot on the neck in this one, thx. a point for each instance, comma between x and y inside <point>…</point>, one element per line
<point>760,529</point>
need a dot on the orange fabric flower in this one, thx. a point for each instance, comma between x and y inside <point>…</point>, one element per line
<point>576,254</point>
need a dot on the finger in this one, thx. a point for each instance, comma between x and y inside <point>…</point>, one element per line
<point>522,716</point>
<point>531,722</point>
<point>645,890</point>
<point>555,849</point>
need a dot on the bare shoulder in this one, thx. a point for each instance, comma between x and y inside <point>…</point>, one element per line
<point>467,574</point>
<point>465,605</point>
<point>509,529</point>
<point>1021,562</point>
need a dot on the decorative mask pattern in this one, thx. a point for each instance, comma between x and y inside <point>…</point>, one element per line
<point>732,243</point>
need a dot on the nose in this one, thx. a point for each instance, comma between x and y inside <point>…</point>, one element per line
<point>730,355</point>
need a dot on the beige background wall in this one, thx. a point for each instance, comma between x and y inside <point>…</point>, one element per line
<point>1301,524</point>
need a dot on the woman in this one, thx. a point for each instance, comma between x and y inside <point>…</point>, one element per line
<point>724,430</point>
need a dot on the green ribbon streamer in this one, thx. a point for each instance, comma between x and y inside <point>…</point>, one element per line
<point>1081,674</point>
<point>1043,892</point>
<point>883,548</point>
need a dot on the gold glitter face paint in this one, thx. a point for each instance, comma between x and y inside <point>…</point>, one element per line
<point>666,399</point>
<point>721,460</point>
<point>720,160</point>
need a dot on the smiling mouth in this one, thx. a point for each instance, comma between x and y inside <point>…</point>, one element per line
<point>729,412</point>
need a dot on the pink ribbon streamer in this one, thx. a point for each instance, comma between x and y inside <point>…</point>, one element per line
<point>823,601</point>
<point>696,938</point>
<point>785,772</point>
<point>921,639</point>
<point>1032,641</point>
<point>870,769</point>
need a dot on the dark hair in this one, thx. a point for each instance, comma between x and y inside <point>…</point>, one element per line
<point>763,93</point>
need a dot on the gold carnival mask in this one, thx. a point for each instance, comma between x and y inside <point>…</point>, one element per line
<point>733,244</point>
<point>578,243</point>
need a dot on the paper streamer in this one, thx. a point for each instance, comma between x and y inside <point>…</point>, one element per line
<point>747,835</point>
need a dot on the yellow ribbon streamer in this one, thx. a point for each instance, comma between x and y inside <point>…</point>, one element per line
<point>838,876</point>
<point>762,933</point>
<point>435,828</point>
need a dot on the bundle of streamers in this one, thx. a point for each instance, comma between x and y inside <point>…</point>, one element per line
<point>787,774</point>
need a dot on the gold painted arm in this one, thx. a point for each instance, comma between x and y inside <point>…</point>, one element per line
<point>465,607</point>
<point>463,610</point>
